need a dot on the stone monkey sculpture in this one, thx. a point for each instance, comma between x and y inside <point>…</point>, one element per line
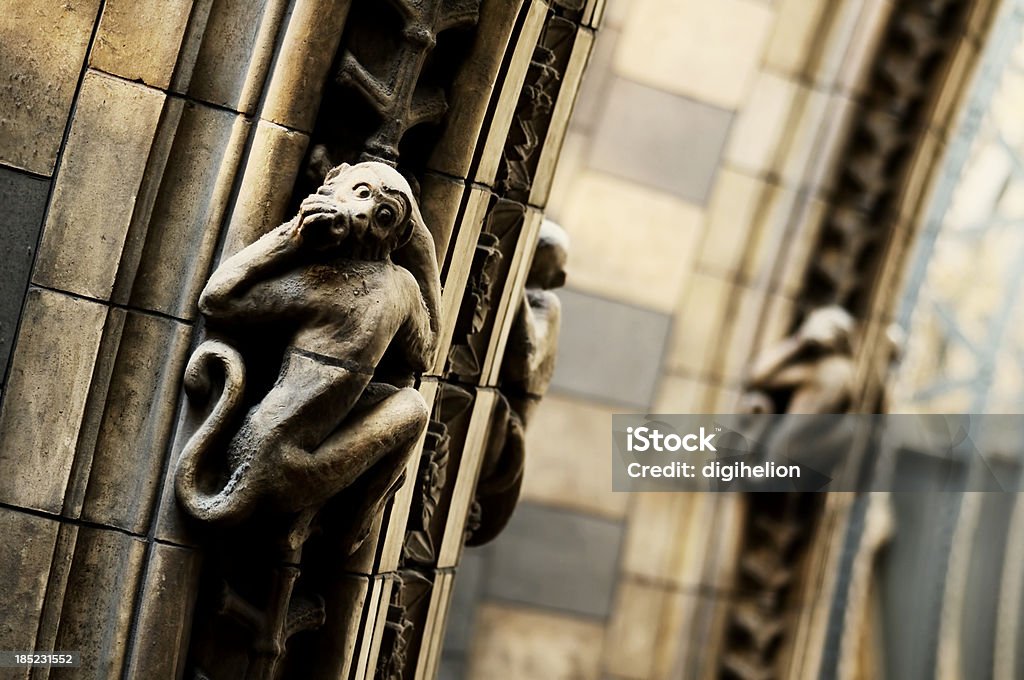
<point>353,277</point>
<point>526,373</point>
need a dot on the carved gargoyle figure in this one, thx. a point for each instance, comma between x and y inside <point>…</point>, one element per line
<point>809,372</point>
<point>348,282</point>
<point>526,372</point>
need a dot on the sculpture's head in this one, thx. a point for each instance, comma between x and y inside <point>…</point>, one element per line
<point>548,268</point>
<point>828,328</point>
<point>377,209</point>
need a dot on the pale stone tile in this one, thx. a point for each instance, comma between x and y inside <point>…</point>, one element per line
<point>762,123</point>
<point>44,47</point>
<point>45,397</point>
<point>629,243</point>
<point>802,145</point>
<point>746,322</point>
<point>94,200</point>
<point>768,236</point>
<point>646,631</point>
<point>140,39</point>
<point>732,216</point>
<point>660,140</point>
<point>797,26</point>
<point>705,50</point>
<point>517,643</point>
<point>800,246</point>
<point>624,340</point>
<point>698,325</point>
<point>568,464</point>
<point>678,395</point>
<point>26,552</point>
<point>570,167</point>
<point>657,524</point>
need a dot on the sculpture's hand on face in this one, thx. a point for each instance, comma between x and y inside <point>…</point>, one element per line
<point>321,223</point>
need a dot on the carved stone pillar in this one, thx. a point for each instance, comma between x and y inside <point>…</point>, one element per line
<point>193,129</point>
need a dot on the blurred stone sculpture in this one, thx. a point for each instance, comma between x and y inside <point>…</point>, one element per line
<point>526,372</point>
<point>319,327</point>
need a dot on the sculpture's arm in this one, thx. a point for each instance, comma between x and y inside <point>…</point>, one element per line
<point>778,368</point>
<point>232,290</point>
<point>544,321</point>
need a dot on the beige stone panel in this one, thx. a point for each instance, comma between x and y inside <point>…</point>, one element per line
<point>797,27</point>
<point>135,425</point>
<point>705,50</point>
<point>646,631</point>
<point>658,524</point>
<point>517,643</point>
<point>160,643</point>
<point>698,324</point>
<point>629,243</point>
<point>802,143</point>
<point>140,39</point>
<point>769,237</point>
<point>310,42</point>
<point>101,172</point>
<point>26,550</point>
<point>99,601</point>
<point>44,44</point>
<point>229,57</point>
<point>823,154</point>
<point>45,398</point>
<point>568,444</point>
<point>570,167</point>
<point>189,210</point>
<point>746,324</point>
<point>762,123</point>
<point>677,394</point>
<point>732,216</point>
<point>800,246</point>
<point>273,162</point>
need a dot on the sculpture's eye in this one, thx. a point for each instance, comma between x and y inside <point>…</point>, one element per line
<point>363,191</point>
<point>386,216</point>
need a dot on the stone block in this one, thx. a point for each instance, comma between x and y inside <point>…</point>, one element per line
<point>465,600</point>
<point>797,27</point>
<point>160,643</point>
<point>140,39</point>
<point>555,559</point>
<point>625,341</point>
<point>568,445</point>
<point>705,50</point>
<point>26,550</point>
<point>135,421</point>
<point>189,210</point>
<point>22,206</point>
<point>99,601</point>
<point>94,199</point>
<point>698,325</point>
<point>612,251</point>
<point>517,643</point>
<point>45,397</point>
<point>762,122</point>
<point>661,140</point>
<point>44,47</point>
<point>273,162</point>
<point>732,215</point>
<point>473,88</point>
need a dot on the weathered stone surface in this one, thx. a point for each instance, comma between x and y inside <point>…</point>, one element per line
<point>516,643</point>
<point>472,89</point>
<point>22,205</point>
<point>189,210</point>
<point>136,420</point>
<point>556,559</point>
<point>648,629</point>
<point>45,398</point>
<point>600,332</point>
<point>99,601</point>
<point>165,614</point>
<point>44,47</point>
<point>273,160</point>
<point>661,140</point>
<point>139,39</point>
<point>563,469</point>
<point>26,548</point>
<point>94,200</point>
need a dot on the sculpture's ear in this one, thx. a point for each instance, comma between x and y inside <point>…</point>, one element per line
<point>336,171</point>
<point>408,228</point>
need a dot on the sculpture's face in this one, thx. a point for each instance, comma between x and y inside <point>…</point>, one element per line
<point>830,328</point>
<point>548,268</point>
<point>375,203</point>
